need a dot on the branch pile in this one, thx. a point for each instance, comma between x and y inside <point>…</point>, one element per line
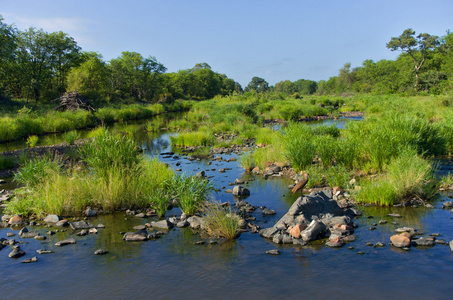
<point>73,101</point>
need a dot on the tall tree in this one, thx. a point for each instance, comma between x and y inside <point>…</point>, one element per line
<point>417,47</point>
<point>258,84</point>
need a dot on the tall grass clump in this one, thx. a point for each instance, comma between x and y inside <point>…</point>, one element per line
<point>32,140</point>
<point>408,175</point>
<point>37,170</point>
<point>221,222</point>
<point>299,146</point>
<point>108,151</point>
<point>190,191</point>
<point>197,138</point>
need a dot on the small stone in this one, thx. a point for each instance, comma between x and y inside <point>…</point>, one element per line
<point>335,243</point>
<point>51,219</point>
<point>370,244</point>
<point>93,231</point>
<point>10,234</point>
<point>351,248</point>
<point>30,260</point>
<point>139,227</point>
<point>268,212</point>
<point>441,242</point>
<point>451,245</point>
<point>200,243</point>
<point>66,242</point>
<point>40,237</point>
<point>296,230</point>
<point>360,253</point>
<point>372,228</point>
<point>379,245</point>
<point>423,241</point>
<point>273,252</point>
<point>140,215</point>
<point>90,212</point>
<point>100,252</point>
<point>100,225</point>
<point>394,215</point>
<point>82,232</point>
<point>141,235</point>
<point>382,222</point>
<point>182,224</point>
<point>44,251</point>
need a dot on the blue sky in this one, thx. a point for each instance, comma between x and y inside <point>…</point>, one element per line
<point>275,40</point>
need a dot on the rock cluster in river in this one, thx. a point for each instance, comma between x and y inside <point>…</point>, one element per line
<point>310,218</point>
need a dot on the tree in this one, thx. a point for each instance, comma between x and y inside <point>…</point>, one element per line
<point>257,84</point>
<point>8,36</point>
<point>417,47</point>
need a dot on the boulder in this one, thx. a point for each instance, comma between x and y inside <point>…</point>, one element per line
<point>423,241</point>
<point>241,191</point>
<point>451,245</point>
<point>296,230</point>
<point>80,225</point>
<point>90,212</point>
<point>400,241</point>
<point>314,230</point>
<point>164,224</point>
<point>51,219</point>
<point>16,253</point>
<point>16,220</point>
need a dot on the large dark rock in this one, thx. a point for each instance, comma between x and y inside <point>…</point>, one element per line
<point>240,191</point>
<point>16,253</point>
<point>317,210</point>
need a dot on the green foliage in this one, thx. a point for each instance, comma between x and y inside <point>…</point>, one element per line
<point>220,222</point>
<point>108,152</point>
<point>6,162</point>
<point>71,136</point>
<point>32,140</point>
<point>36,170</point>
<point>190,191</point>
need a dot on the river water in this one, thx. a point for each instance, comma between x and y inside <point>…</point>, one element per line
<point>173,267</point>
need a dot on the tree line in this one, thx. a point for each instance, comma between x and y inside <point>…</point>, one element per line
<point>40,66</point>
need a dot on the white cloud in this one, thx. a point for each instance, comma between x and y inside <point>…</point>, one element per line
<point>76,27</point>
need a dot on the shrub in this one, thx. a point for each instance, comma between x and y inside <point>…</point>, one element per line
<point>32,140</point>
<point>71,136</point>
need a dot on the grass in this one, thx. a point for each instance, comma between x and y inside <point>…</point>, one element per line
<point>71,136</point>
<point>6,162</point>
<point>220,222</point>
<point>190,191</point>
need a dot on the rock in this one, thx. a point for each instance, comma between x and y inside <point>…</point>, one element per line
<point>100,252</point>
<point>278,238</point>
<point>44,251</point>
<point>296,230</point>
<point>51,219</point>
<point>256,170</point>
<point>231,159</point>
<point>29,235</point>
<point>141,235</point>
<point>10,234</point>
<point>379,245</point>
<point>335,243</point>
<point>268,232</point>
<point>451,245</point>
<point>62,223</point>
<point>40,237</point>
<point>240,191</point>
<point>23,230</point>
<point>313,231</point>
<point>447,205</point>
<point>90,212</point>
<point>16,253</point>
<point>80,225</point>
<point>440,242</point>
<point>273,252</point>
<point>200,174</point>
<point>82,232</point>
<point>139,227</point>
<point>268,212</point>
<point>406,229</point>
<point>5,218</point>
<point>382,222</point>
<point>66,242</point>
<point>287,239</point>
<point>349,238</point>
<point>196,222</point>
<point>423,241</point>
<point>16,220</point>
<point>182,224</point>
<point>394,215</point>
<point>400,241</point>
<point>93,231</point>
<point>239,181</point>
<point>30,260</point>
<point>140,215</point>
<point>164,224</point>
<point>406,234</point>
<point>242,223</point>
